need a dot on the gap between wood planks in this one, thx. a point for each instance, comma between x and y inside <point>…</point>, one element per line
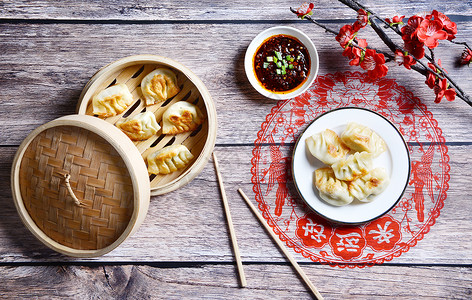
<point>454,18</point>
<point>139,22</point>
<point>198,264</point>
<point>414,144</point>
<point>292,144</point>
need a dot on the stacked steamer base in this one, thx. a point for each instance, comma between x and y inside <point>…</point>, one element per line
<point>200,142</point>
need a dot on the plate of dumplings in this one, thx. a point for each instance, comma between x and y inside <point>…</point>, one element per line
<point>351,165</point>
<point>163,108</point>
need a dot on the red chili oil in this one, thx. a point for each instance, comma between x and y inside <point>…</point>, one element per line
<point>295,75</point>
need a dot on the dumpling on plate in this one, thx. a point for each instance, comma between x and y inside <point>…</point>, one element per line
<point>327,146</point>
<point>139,127</point>
<point>361,138</point>
<point>168,159</point>
<point>181,117</point>
<point>354,166</point>
<point>112,101</point>
<point>373,183</point>
<point>331,189</point>
<point>159,85</point>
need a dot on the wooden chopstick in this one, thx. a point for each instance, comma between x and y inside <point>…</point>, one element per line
<point>232,234</point>
<point>282,247</point>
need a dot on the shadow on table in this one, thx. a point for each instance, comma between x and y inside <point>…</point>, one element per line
<point>242,83</point>
<point>15,239</point>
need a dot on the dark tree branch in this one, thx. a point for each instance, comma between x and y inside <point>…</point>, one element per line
<point>317,23</point>
<point>462,43</point>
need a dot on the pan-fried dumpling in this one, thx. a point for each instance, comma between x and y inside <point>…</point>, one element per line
<point>327,146</point>
<point>112,101</point>
<point>181,117</point>
<point>168,159</point>
<point>159,85</point>
<point>139,127</point>
<point>331,189</point>
<point>373,183</point>
<point>354,166</point>
<point>361,138</point>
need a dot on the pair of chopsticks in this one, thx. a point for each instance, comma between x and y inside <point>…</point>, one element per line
<point>287,254</point>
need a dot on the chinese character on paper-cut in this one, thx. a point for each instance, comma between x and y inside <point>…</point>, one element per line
<point>348,242</point>
<point>383,234</point>
<point>310,228</point>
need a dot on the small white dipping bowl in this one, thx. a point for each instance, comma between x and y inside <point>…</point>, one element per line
<point>259,40</point>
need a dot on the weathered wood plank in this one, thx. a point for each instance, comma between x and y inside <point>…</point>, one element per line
<point>220,282</point>
<point>45,66</point>
<point>211,11</point>
<point>189,224</point>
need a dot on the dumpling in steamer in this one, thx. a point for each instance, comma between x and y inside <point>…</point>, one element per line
<point>168,159</point>
<point>159,85</point>
<point>181,117</point>
<point>112,101</point>
<point>354,166</point>
<point>327,146</point>
<point>139,127</point>
<point>361,138</point>
<point>373,183</point>
<point>331,189</point>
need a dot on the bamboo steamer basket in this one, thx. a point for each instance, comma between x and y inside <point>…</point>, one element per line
<point>131,70</point>
<point>79,185</point>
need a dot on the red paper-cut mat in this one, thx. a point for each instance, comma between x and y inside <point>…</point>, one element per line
<point>370,243</point>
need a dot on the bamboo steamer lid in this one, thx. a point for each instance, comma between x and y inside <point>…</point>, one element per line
<point>80,185</point>
<point>130,71</point>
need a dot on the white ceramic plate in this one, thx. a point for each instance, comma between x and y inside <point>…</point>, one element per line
<point>396,160</point>
<point>256,43</point>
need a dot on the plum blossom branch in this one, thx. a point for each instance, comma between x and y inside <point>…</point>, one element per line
<point>420,31</point>
<point>441,74</point>
<point>329,30</point>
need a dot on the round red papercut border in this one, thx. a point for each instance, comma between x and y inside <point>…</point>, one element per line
<point>394,102</point>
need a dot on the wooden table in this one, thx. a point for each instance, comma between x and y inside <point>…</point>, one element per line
<point>50,49</point>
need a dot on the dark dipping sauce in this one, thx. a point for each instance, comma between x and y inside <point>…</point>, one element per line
<point>266,72</point>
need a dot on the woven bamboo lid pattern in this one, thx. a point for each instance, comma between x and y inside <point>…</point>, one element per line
<point>76,185</point>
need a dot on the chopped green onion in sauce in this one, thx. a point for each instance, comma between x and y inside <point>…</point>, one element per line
<point>281,63</point>
<point>278,54</point>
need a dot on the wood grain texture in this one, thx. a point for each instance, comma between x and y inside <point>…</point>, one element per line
<point>189,225</point>
<point>45,67</point>
<point>169,10</point>
<point>177,281</point>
